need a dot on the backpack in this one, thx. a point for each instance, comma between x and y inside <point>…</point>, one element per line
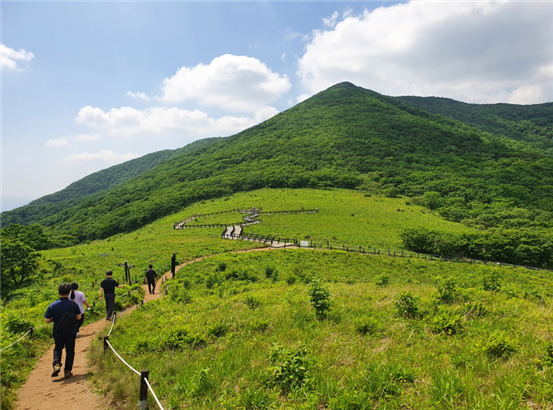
<point>68,321</point>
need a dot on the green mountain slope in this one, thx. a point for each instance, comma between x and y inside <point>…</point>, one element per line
<point>92,184</point>
<point>530,123</point>
<point>344,137</point>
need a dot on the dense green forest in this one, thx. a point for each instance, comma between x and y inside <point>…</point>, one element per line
<point>498,163</point>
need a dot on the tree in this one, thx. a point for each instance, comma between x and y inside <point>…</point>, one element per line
<point>19,260</point>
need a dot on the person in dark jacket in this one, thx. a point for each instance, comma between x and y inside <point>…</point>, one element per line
<point>151,276</point>
<point>54,314</point>
<point>107,286</point>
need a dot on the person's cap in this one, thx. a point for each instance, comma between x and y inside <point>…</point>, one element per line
<point>109,272</point>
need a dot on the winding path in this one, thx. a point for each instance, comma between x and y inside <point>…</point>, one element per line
<point>41,391</point>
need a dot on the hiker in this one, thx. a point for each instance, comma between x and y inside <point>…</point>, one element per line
<point>108,286</point>
<point>80,300</point>
<point>151,276</point>
<point>64,336</point>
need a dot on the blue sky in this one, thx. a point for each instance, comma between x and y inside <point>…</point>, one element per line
<point>86,86</point>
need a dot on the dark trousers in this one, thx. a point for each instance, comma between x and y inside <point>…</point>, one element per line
<point>110,302</point>
<point>151,287</point>
<point>80,322</point>
<point>67,342</point>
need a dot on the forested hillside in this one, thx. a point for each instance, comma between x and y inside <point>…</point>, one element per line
<point>346,137</point>
<point>99,181</point>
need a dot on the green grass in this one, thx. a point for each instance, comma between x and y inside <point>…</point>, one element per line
<point>217,349</point>
<point>233,323</point>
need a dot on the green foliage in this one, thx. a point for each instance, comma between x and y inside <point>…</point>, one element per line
<point>499,345</point>
<point>345,137</point>
<point>367,325</point>
<point>383,280</point>
<point>447,290</point>
<point>319,297</point>
<point>289,367</point>
<point>448,322</point>
<point>527,247</point>
<point>407,306</point>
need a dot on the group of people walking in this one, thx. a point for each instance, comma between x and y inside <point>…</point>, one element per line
<point>67,313</point>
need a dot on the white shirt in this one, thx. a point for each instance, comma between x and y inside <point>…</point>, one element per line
<point>79,299</point>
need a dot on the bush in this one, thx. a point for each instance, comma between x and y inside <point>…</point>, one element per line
<point>406,306</point>
<point>367,325</point>
<point>289,367</point>
<point>382,280</point>
<point>447,290</point>
<point>447,322</point>
<point>499,345</point>
<point>320,299</point>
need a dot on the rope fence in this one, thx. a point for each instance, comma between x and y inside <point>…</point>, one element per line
<point>14,343</point>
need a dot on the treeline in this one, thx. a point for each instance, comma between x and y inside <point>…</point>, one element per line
<point>515,246</point>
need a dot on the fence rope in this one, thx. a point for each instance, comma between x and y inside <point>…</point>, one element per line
<point>153,393</point>
<point>112,323</point>
<point>29,331</point>
<point>120,358</point>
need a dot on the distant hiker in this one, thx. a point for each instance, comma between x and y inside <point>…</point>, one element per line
<point>80,300</point>
<point>151,276</point>
<point>64,313</point>
<point>108,286</point>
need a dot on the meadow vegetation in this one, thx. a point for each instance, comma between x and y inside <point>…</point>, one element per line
<point>300,328</point>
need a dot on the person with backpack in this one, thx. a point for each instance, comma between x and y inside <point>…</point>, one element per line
<point>151,276</point>
<point>64,313</point>
<point>80,300</point>
<point>107,286</point>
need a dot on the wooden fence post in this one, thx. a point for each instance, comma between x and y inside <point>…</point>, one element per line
<point>31,332</point>
<point>106,346</point>
<point>143,395</point>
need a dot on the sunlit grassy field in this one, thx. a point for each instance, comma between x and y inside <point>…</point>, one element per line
<point>241,331</point>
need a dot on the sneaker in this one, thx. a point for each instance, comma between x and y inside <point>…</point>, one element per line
<point>68,374</point>
<point>56,370</point>
<point>77,335</point>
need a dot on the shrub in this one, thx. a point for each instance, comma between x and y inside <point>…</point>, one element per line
<point>252,302</point>
<point>218,329</point>
<point>492,282</point>
<point>270,271</point>
<point>447,290</point>
<point>291,279</point>
<point>320,299</point>
<point>221,267</point>
<point>499,345</point>
<point>382,280</point>
<point>289,367</point>
<point>447,322</point>
<point>16,324</point>
<point>406,306</point>
<point>367,325</point>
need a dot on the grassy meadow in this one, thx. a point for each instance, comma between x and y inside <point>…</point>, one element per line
<point>303,329</point>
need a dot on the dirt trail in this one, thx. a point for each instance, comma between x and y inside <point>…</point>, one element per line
<point>43,392</point>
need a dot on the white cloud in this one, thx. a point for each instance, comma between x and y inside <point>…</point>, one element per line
<point>127,122</point>
<point>236,83</point>
<point>59,143</point>
<point>88,137</point>
<point>138,96</point>
<point>105,156</point>
<point>483,51</point>
<point>331,21</point>
<point>8,56</point>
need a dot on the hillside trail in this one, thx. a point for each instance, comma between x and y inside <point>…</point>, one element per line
<point>43,392</point>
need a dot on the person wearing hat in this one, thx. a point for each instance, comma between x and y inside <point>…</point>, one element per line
<point>63,339</point>
<point>107,286</point>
